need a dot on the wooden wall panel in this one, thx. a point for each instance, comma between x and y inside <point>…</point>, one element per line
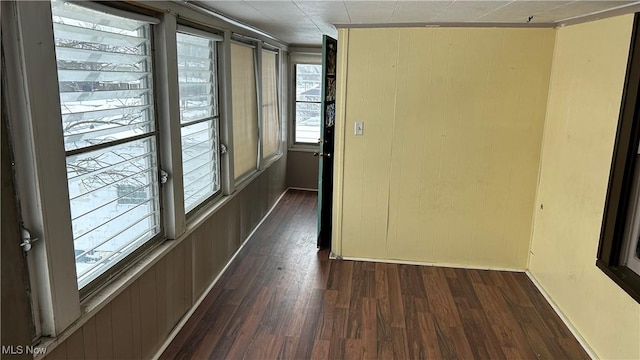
<point>230,225</point>
<point>446,169</point>
<point>161,297</point>
<point>137,322</point>
<point>149,340</point>
<point>136,325</point>
<point>104,334</point>
<point>89,338</point>
<point>587,82</point>
<point>75,346</point>
<point>122,326</point>
<point>277,181</point>
<point>203,255</point>
<point>59,353</point>
<point>187,277</point>
<point>302,170</point>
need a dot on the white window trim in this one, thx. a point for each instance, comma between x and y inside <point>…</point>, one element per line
<point>168,111</point>
<point>41,165</point>
<point>295,58</point>
<point>114,11</point>
<point>193,31</point>
<point>218,39</point>
<point>228,183</point>
<point>258,74</point>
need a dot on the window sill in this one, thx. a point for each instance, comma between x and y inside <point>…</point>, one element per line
<point>90,306</point>
<point>628,280</point>
<point>269,160</point>
<point>97,301</point>
<point>304,148</point>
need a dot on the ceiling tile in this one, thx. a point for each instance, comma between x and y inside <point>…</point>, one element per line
<point>279,10</point>
<point>332,12</point>
<point>365,12</point>
<point>419,11</point>
<point>468,11</point>
<point>519,11</point>
<point>238,10</point>
<point>579,8</point>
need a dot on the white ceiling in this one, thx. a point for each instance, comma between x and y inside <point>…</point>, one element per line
<point>303,22</point>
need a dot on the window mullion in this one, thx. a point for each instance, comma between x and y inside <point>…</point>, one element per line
<point>258,73</point>
<point>41,164</point>
<point>166,65</point>
<point>226,115</point>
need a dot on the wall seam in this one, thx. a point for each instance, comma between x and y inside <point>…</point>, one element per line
<point>541,160</point>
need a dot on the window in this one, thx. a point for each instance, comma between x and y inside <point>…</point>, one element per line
<point>245,110</point>
<point>91,143</point>
<point>106,100</point>
<point>307,117</point>
<point>619,250</point>
<point>630,251</point>
<point>199,118</point>
<point>270,112</point>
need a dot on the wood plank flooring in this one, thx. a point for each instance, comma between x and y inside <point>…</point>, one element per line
<point>283,299</point>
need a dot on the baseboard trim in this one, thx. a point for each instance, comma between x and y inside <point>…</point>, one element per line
<point>563,317</point>
<point>425,263</point>
<point>205,293</point>
<point>301,189</point>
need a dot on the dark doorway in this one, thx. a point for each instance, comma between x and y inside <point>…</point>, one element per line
<point>328,116</point>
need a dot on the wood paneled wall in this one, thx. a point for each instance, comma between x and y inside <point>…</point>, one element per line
<point>302,170</point>
<point>587,82</point>
<point>137,322</point>
<point>447,167</point>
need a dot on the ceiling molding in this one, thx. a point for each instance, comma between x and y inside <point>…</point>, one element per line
<point>621,10</point>
<point>241,28</point>
<point>303,22</point>
<point>315,50</point>
<point>448,25</point>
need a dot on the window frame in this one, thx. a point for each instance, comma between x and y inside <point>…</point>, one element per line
<point>191,29</point>
<point>270,158</point>
<point>257,65</point>
<point>308,57</point>
<point>87,289</point>
<point>29,46</point>
<point>621,178</point>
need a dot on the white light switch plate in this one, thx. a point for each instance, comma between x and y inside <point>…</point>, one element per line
<point>359,128</point>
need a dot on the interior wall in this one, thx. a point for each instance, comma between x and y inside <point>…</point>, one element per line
<point>446,169</point>
<point>587,80</point>
<point>137,322</point>
<point>302,170</point>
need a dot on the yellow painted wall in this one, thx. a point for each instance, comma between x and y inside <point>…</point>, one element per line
<point>587,79</point>
<point>447,168</point>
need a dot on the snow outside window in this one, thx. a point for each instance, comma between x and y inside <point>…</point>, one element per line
<point>199,118</point>
<point>106,98</point>
<point>308,100</point>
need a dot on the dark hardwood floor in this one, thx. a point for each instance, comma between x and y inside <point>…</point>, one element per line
<point>283,299</point>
